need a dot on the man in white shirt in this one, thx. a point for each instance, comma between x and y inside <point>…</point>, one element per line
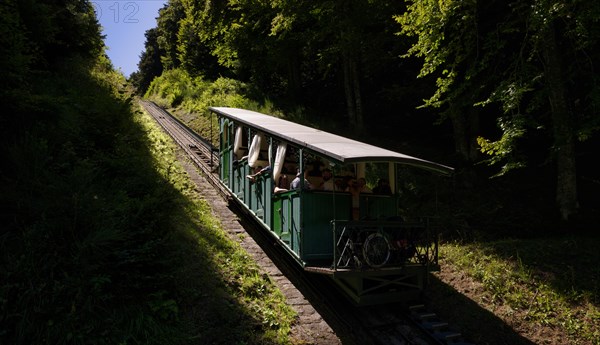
<point>327,183</point>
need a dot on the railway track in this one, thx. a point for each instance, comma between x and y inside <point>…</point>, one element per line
<point>199,150</point>
<point>377,325</point>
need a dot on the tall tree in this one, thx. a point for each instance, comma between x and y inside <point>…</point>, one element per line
<point>150,65</point>
<point>348,43</point>
<point>168,23</point>
<point>40,36</point>
<point>447,39</point>
<point>198,40</point>
<point>324,53</point>
<point>511,57</point>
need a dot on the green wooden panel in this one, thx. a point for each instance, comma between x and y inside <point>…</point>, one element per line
<point>286,219</point>
<point>295,223</point>
<point>319,208</point>
<point>260,198</point>
<point>225,165</point>
<point>277,221</point>
<point>238,180</point>
<point>268,201</point>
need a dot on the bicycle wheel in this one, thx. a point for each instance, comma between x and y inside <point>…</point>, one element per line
<point>376,250</point>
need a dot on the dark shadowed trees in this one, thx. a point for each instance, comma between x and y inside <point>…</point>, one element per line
<point>519,64</point>
<point>514,80</point>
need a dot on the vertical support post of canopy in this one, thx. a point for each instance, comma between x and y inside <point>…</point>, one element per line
<point>360,169</point>
<point>392,176</point>
<point>301,167</point>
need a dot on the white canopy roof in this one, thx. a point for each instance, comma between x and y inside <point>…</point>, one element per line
<point>330,145</point>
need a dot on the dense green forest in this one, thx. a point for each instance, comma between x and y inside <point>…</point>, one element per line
<point>77,241</point>
<point>103,240</point>
<point>505,91</point>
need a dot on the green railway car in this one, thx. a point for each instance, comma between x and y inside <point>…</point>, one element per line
<point>312,191</point>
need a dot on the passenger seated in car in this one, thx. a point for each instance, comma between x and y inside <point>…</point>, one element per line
<point>339,184</point>
<point>296,182</point>
<point>316,168</point>
<point>383,187</point>
<point>344,183</point>
<point>359,184</point>
<point>327,184</point>
<point>283,184</point>
<point>354,189</point>
<point>363,185</point>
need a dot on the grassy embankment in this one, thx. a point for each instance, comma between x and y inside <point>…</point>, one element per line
<point>534,283</point>
<point>553,282</point>
<point>227,299</point>
<point>104,240</point>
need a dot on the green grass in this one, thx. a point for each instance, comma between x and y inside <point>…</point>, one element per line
<point>553,281</point>
<point>103,239</point>
<point>238,304</point>
<point>185,95</point>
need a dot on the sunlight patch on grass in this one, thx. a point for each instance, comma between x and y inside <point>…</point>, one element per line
<point>240,277</point>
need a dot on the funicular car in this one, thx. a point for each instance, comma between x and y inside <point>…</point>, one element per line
<point>369,243</point>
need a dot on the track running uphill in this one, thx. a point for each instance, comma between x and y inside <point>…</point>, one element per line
<point>377,325</point>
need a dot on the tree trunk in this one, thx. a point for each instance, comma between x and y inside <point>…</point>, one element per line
<point>465,130</point>
<point>461,135</point>
<point>564,146</point>
<point>352,92</point>
<point>473,147</point>
<point>348,91</point>
<point>357,95</point>
<point>294,74</point>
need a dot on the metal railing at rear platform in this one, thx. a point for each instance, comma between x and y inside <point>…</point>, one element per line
<point>375,244</point>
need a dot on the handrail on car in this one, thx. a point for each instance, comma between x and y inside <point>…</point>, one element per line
<point>379,242</point>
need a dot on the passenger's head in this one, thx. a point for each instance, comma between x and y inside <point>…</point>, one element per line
<point>327,174</point>
<point>339,183</point>
<point>299,173</point>
<point>361,181</point>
